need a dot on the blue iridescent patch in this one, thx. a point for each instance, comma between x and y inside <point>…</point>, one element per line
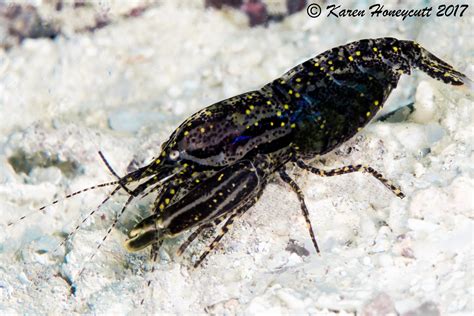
<point>240,138</point>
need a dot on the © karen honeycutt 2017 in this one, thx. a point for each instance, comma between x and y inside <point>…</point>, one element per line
<point>380,11</point>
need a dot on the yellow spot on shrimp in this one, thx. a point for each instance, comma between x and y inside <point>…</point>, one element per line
<point>358,53</point>
<point>203,130</point>
<point>351,58</point>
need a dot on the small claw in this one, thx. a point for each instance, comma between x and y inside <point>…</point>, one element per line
<point>142,240</point>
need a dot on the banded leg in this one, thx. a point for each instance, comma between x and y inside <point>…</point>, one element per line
<point>351,168</point>
<point>155,248</point>
<point>285,177</point>
<point>196,233</point>
<point>228,224</point>
<point>215,242</point>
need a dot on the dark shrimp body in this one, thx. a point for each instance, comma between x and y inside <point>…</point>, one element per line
<point>216,164</point>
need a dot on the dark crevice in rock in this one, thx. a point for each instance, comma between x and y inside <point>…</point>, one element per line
<point>23,162</point>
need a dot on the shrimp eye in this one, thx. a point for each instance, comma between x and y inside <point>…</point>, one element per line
<point>174,154</point>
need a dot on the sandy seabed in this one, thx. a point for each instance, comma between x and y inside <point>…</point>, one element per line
<point>123,89</point>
